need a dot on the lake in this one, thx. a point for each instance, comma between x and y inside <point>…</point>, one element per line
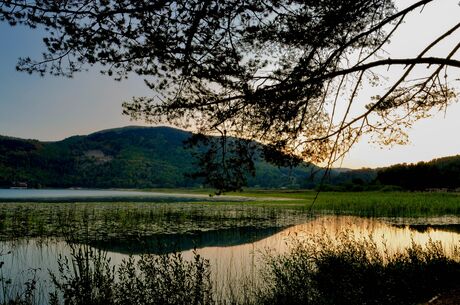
<point>235,254</point>
<point>92,195</point>
<point>236,234</point>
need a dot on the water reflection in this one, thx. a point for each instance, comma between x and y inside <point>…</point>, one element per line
<point>395,236</point>
<point>168,243</point>
<point>424,228</point>
<point>235,255</point>
<point>242,262</point>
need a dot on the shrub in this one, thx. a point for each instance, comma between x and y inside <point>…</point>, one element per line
<point>85,278</point>
<point>352,270</point>
<point>321,270</point>
<point>88,278</point>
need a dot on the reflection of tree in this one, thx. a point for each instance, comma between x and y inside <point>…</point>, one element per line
<point>285,73</point>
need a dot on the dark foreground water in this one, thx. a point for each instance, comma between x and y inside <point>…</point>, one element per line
<point>235,255</point>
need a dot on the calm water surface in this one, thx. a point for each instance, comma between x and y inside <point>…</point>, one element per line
<point>240,259</point>
<point>61,194</point>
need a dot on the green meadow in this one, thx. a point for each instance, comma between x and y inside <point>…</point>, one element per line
<point>370,203</point>
<point>375,204</point>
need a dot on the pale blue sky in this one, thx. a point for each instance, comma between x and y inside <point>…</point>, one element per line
<point>52,108</point>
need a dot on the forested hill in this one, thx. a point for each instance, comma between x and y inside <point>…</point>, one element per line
<point>130,157</point>
<point>442,173</point>
<point>143,157</point>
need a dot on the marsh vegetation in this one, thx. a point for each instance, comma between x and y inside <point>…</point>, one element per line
<point>345,269</point>
<point>273,248</point>
<point>106,220</point>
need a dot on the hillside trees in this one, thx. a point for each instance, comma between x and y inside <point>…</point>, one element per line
<point>438,174</point>
<point>286,73</point>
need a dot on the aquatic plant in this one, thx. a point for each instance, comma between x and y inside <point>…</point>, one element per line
<point>350,270</point>
<point>89,278</point>
<point>105,221</point>
<point>319,269</point>
<point>85,278</point>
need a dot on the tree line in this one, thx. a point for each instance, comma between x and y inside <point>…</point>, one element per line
<point>438,174</point>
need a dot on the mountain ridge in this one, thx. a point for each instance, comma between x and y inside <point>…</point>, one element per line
<point>149,157</point>
<point>132,156</point>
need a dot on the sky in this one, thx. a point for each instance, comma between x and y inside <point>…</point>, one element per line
<point>52,108</point>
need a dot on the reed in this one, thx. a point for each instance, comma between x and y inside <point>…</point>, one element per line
<point>350,270</point>
<point>320,269</point>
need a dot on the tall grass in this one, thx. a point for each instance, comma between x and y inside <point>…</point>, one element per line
<point>87,278</point>
<point>127,220</point>
<point>350,270</point>
<point>369,203</point>
<point>320,270</point>
<point>105,220</point>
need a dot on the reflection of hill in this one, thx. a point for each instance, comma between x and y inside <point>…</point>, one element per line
<point>455,228</point>
<point>167,243</point>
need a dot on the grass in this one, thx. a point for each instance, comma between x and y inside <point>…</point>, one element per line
<point>368,203</point>
<point>9,295</point>
<point>376,204</point>
<point>87,278</point>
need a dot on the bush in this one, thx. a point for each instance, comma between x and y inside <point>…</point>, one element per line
<point>164,280</point>
<point>350,270</point>
<point>320,270</point>
<point>88,278</point>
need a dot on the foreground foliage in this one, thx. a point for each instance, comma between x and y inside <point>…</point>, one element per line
<point>344,270</point>
<point>263,70</point>
<point>88,278</point>
<point>353,270</point>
